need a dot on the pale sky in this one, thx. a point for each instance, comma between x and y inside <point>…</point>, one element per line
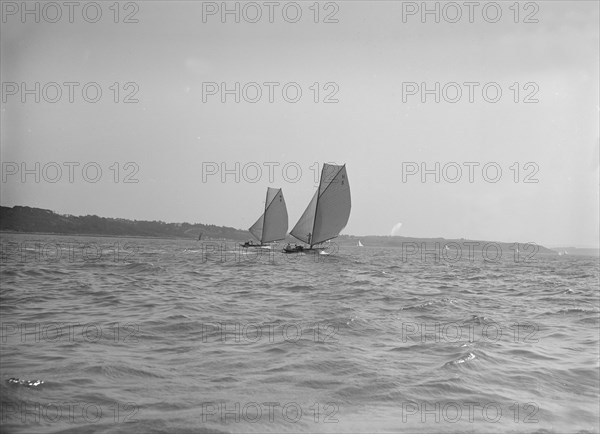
<point>171,134</point>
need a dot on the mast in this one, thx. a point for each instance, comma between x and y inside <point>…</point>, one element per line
<point>312,233</point>
<point>262,233</point>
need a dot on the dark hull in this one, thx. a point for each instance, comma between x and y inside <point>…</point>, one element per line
<point>257,246</point>
<point>300,249</point>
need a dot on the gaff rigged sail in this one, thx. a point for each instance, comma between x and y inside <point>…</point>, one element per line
<point>329,210</point>
<point>273,223</point>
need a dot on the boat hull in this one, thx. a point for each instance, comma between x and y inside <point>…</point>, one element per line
<point>256,246</point>
<point>300,249</point>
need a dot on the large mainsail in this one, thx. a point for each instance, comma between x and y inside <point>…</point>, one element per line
<point>329,210</point>
<point>273,223</point>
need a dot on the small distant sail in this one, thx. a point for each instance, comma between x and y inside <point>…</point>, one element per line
<point>329,209</point>
<point>360,244</point>
<point>273,223</point>
<point>200,236</point>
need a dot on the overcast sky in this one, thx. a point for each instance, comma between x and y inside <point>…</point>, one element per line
<point>372,61</point>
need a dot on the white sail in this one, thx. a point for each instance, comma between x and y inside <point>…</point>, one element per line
<point>305,224</point>
<point>257,228</point>
<point>329,210</point>
<point>273,223</point>
<point>360,244</point>
<point>276,217</point>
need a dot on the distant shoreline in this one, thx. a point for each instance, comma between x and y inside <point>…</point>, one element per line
<point>28,220</point>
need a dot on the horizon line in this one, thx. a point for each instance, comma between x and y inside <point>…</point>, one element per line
<point>554,246</point>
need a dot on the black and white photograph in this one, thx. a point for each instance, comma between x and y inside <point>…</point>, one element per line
<point>302,216</point>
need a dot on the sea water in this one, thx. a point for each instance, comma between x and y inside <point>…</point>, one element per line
<point>151,335</point>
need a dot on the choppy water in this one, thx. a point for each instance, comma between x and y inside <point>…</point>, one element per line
<point>149,336</point>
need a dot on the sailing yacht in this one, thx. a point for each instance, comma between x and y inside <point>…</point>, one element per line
<point>327,213</point>
<point>272,225</point>
<point>360,244</point>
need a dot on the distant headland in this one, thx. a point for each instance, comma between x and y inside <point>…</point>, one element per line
<point>27,219</point>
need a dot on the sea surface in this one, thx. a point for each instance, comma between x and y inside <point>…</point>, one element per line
<point>135,335</point>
